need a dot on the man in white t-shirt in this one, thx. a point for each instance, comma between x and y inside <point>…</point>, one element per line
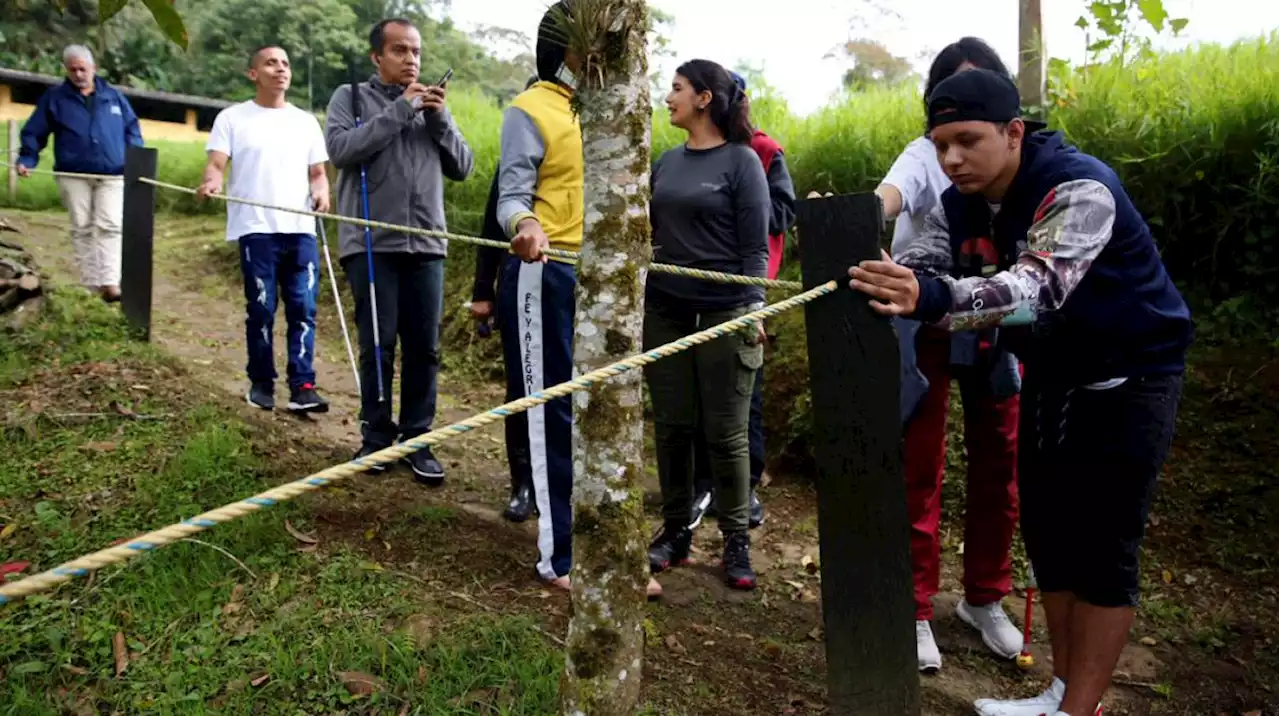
<point>277,156</point>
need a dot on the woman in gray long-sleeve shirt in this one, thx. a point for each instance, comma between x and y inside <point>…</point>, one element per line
<point>710,210</point>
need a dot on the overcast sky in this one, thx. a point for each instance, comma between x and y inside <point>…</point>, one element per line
<point>790,38</point>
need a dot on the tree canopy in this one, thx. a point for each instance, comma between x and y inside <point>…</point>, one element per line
<point>321,37</point>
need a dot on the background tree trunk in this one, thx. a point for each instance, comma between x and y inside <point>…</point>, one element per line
<point>605,647</point>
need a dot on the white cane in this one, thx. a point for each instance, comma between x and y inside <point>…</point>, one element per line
<point>337,299</point>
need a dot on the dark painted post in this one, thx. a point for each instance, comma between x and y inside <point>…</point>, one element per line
<point>867,603</point>
<point>138,235</point>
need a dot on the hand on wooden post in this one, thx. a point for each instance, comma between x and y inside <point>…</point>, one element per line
<point>893,287</point>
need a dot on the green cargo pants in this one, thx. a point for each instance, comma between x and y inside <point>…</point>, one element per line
<point>707,388</point>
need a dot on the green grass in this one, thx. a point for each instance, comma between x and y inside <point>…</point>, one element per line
<point>205,620</point>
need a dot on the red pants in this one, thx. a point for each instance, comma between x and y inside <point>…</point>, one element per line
<point>991,502</point>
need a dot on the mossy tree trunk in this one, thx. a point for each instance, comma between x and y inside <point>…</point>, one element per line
<point>605,647</point>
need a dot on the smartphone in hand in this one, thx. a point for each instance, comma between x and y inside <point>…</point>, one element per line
<point>445,79</point>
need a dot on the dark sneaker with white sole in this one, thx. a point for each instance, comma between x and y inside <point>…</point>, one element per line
<point>306,400</point>
<point>737,561</point>
<point>703,506</point>
<point>365,451</point>
<point>520,508</point>
<point>755,511</point>
<point>427,470</point>
<point>261,395</point>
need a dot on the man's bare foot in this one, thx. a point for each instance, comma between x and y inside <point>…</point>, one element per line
<point>561,582</point>
<point>654,590</point>
<point>110,294</point>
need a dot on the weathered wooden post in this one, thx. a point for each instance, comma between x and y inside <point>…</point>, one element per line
<point>605,648</point>
<point>138,235</point>
<point>854,378</point>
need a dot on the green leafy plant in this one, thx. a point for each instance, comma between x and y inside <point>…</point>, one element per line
<point>1113,29</point>
<point>165,14</point>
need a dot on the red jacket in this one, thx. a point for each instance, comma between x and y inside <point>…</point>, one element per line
<point>767,149</point>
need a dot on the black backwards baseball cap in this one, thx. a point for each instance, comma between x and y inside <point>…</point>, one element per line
<point>977,95</point>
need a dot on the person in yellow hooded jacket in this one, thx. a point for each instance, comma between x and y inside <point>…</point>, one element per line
<point>540,206</point>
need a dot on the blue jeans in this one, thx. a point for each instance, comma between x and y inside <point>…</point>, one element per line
<point>290,262</point>
<point>410,295</point>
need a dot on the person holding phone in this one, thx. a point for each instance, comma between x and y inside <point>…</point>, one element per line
<point>407,143</point>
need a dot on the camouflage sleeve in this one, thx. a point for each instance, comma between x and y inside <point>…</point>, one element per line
<point>1072,226</point>
<point>929,253</point>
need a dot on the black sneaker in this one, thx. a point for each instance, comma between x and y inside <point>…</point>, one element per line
<point>366,450</point>
<point>427,470</point>
<point>521,505</point>
<point>306,400</point>
<point>755,511</point>
<point>671,547</point>
<point>737,561</point>
<point>261,395</point>
<point>703,506</point>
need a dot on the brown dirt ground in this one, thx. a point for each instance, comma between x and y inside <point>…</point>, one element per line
<point>713,650</point>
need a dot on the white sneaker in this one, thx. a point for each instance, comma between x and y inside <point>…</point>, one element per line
<point>1042,705</point>
<point>998,633</point>
<point>927,655</point>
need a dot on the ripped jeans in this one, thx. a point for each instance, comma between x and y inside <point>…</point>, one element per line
<point>292,263</point>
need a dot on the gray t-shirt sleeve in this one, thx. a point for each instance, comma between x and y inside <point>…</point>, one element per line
<point>522,152</point>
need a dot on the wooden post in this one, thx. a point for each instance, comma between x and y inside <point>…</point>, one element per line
<point>867,603</point>
<point>138,237</point>
<point>1031,57</point>
<point>13,148</point>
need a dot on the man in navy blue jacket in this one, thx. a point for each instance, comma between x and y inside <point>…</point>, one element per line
<point>1042,239</point>
<point>91,124</point>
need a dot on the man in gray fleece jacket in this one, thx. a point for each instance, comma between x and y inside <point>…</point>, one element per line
<point>407,143</point>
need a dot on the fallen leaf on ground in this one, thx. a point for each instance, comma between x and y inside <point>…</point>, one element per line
<point>13,567</point>
<point>298,535</point>
<point>122,410</point>
<point>1148,641</point>
<point>1167,576</point>
<point>259,681</point>
<point>273,582</point>
<point>699,629</point>
<point>816,633</point>
<point>358,683</point>
<point>140,387</point>
<point>674,644</point>
<point>9,529</point>
<point>371,566</point>
<point>809,565</point>
<point>100,446</point>
<point>121,653</point>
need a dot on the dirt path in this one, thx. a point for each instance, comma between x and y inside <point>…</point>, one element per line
<point>774,634</point>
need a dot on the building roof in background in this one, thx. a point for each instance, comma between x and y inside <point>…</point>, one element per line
<point>8,76</point>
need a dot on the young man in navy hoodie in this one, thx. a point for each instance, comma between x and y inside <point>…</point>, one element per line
<point>1043,240</point>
